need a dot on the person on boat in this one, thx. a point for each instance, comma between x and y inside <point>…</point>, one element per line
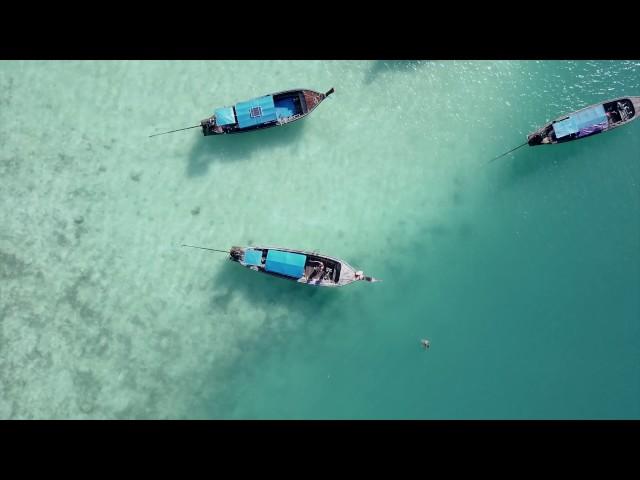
<point>425,343</point>
<point>320,269</point>
<point>623,111</point>
<point>359,275</point>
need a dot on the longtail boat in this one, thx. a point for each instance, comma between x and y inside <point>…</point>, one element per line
<point>268,111</point>
<point>299,266</point>
<point>588,121</point>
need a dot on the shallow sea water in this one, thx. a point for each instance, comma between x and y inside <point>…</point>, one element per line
<point>524,273</point>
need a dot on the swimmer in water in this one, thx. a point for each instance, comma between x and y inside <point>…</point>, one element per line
<point>425,343</point>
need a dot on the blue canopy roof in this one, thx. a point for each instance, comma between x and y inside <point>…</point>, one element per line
<point>225,116</point>
<point>253,257</point>
<point>256,111</point>
<point>576,122</point>
<point>285,263</point>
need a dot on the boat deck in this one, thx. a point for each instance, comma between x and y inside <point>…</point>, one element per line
<point>285,107</point>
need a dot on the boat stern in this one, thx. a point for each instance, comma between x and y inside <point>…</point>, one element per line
<point>208,125</point>
<point>236,254</point>
<point>542,136</point>
<point>534,139</point>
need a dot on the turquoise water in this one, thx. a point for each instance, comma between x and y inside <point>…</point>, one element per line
<point>524,273</point>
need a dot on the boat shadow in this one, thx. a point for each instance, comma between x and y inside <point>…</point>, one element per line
<point>267,291</point>
<point>514,171</point>
<point>239,146</point>
<point>381,66</point>
<point>537,161</point>
<point>292,313</point>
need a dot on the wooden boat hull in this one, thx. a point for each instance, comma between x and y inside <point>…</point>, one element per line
<point>302,102</point>
<point>336,272</point>
<point>545,135</point>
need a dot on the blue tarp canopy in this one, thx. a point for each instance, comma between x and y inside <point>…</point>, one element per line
<point>252,257</point>
<point>576,122</point>
<point>286,263</point>
<point>225,116</point>
<point>256,111</point>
